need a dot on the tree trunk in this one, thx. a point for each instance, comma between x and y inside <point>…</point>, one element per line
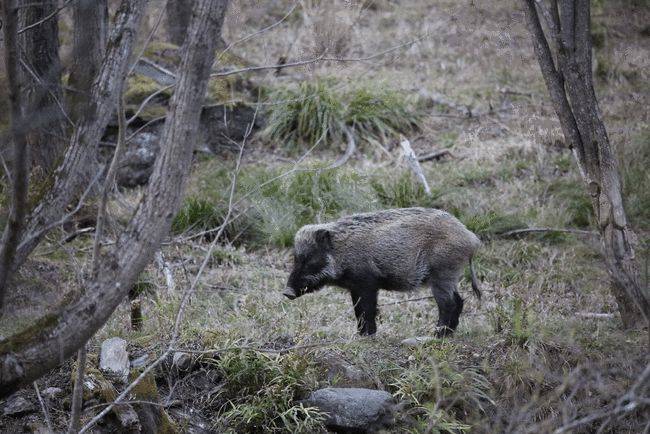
<point>89,45</point>
<point>178,13</point>
<point>52,339</point>
<point>19,173</point>
<point>572,93</point>
<point>41,83</point>
<point>78,166</point>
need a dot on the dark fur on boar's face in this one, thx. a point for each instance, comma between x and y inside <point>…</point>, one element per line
<point>397,250</point>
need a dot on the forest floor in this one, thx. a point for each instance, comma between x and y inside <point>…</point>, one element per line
<point>542,349</point>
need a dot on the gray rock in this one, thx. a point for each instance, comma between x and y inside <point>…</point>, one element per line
<point>224,127</point>
<point>52,392</point>
<point>417,341</point>
<point>140,362</point>
<point>182,361</point>
<point>17,405</point>
<point>114,359</point>
<point>127,417</point>
<point>136,165</point>
<point>221,128</point>
<point>353,409</point>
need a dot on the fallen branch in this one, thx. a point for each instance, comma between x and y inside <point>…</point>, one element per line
<point>263,350</point>
<point>412,161</point>
<point>167,272</point>
<point>348,151</point>
<point>543,230</point>
<point>595,315</point>
<point>406,301</point>
<point>46,414</point>
<point>435,155</point>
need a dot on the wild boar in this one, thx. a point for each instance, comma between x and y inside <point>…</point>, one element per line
<point>396,250</point>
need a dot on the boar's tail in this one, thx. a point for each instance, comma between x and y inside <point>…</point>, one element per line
<point>475,286</point>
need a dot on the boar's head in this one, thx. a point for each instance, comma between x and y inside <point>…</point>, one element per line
<point>313,264</point>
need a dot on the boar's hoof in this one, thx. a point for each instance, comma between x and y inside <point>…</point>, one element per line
<point>444,331</point>
<point>290,293</point>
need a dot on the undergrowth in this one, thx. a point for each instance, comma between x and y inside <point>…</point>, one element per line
<point>261,392</point>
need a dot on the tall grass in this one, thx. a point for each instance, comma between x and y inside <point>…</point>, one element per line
<point>317,113</point>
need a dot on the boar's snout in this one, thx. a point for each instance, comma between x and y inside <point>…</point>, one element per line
<point>290,293</point>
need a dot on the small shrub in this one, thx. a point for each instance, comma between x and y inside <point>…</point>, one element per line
<point>440,393</point>
<point>260,391</point>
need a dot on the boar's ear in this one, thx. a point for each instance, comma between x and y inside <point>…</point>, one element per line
<point>323,238</point>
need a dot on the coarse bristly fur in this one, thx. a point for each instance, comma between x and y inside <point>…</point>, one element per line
<point>396,250</point>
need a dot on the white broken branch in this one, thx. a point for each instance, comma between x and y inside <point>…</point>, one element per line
<point>167,272</point>
<point>412,160</point>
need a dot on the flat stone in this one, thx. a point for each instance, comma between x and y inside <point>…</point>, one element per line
<point>17,405</point>
<point>354,409</point>
<point>114,359</point>
<point>417,341</point>
<point>52,392</point>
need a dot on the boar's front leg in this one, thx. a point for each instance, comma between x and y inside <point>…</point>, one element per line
<point>365,309</point>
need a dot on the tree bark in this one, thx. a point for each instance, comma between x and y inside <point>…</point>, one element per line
<point>90,36</point>
<point>20,175</point>
<point>53,339</point>
<point>178,13</point>
<point>41,84</point>
<point>81,156</point>
<point>572,93</point>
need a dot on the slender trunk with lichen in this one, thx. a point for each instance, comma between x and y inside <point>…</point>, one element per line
<point>40,90</point>
<point>90,35</point>
<point>20,175</point>
<point>570,84</point>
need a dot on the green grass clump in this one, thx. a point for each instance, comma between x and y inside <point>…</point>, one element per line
<point>316,113</point>
<point>196,215</point>
<point>402,191</point>
<point>284,205</point>
<point>308,114</point>
<point>636,181</point>
<point>572,195</point>
<point>260,393</point>
<point>490,223</point>
<point>376,116</point>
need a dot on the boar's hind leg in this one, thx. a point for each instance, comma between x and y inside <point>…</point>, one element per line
<point>450,305</point>
<point>365,309</point>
